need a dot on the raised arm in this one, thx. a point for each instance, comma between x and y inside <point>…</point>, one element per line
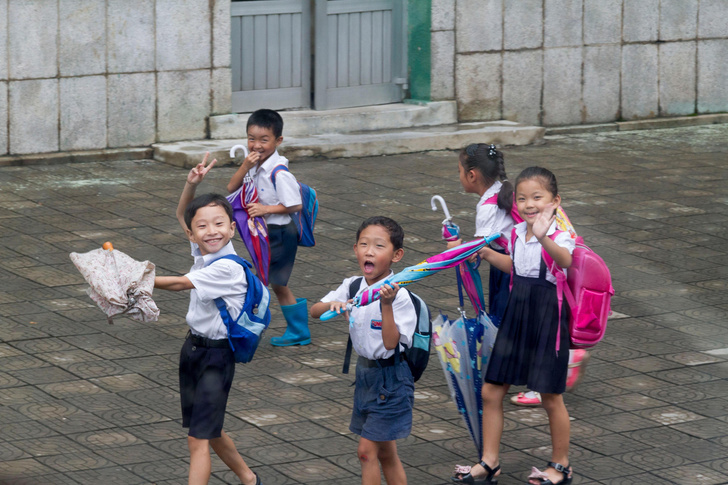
<point>561,256</point>
<point>196,175</point>
<point>237,179</point>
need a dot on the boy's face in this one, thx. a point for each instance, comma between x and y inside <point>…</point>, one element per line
<point>211,229</point>
<point>263,141</point>
<point>375,253</point>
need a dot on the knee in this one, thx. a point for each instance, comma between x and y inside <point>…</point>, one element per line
<point>197,445</point>
<point>552,402</point>
<point>491,394</point>
<point>366,453</point>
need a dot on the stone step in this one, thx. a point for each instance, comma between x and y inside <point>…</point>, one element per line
<point>363,144</point>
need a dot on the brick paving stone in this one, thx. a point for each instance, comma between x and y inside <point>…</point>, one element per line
<point>85,402</point>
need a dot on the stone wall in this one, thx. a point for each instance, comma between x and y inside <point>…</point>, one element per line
<point>95,74</point>
<point>562,62</point>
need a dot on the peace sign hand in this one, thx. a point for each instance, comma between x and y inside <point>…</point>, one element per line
<point>200,170</point>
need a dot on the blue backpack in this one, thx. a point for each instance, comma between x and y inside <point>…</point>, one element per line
<point>416,356</point>
<point>306,218</point>
<point>245,332</point>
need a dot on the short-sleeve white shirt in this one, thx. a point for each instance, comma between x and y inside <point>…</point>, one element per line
<point>366,331</point>
<point>225,279</point>
<point>491,219</point>
<point>285,191</point>
<point>528,253</point>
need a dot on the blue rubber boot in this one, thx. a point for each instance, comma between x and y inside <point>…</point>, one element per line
<point>297,332</point>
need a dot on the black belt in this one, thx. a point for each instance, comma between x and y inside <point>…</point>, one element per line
<point>198,341</point>
<point>363,361</point>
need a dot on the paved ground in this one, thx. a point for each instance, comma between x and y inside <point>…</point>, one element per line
<point>85,402</point>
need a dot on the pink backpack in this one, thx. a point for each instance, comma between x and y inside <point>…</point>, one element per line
<point>588,289</point>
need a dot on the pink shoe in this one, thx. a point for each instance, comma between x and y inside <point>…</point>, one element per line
<point>529,398</point>
<point>577,363</point>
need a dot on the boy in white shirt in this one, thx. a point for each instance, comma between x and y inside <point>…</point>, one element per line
<point>384,392</point>
<point>276,201</point>
<point>207,363</point>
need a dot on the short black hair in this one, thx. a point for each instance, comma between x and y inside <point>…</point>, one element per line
<point>396,233</point>
<point>546,176</point>
<point>204,200</point>
<point>268,119</point>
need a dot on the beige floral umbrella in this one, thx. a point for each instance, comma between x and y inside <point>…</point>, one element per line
<point>118,283</point>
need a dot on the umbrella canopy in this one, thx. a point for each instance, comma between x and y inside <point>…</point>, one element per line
<point>253,230</point>
<point>118,283</point>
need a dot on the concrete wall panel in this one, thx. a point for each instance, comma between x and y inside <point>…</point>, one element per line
<point>678,19</point>
<point>523,24</point>
<point>221,34</point>
<point>183,34</point>
<point>522,82</point>
<point>32,31</point>
<point>131,110</point>
<point>3,117</point>
<point>562,86</point>
<point>712,75</point>
<point>478,86</point>
<point>602,21</point>
<point>641,20</point>
<point>130,35</point>
<point>677,78</point>
<point>442,80</point>
<point>83,37</point>
<point>639,81</point>
<point>601,83</point>
<point>713,19</point>
<point>4,39</point>
<point>222,90</point>
<point>33,116</point>
<point>83,113</point>
<point>443,15</point>
<point>563,23</point>
<point>183,104</point>
<point>479,25</point>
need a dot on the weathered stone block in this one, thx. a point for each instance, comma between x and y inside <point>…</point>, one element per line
<point>713,18</point>
<point>678,19</point>
<point>183,34</point>
<point>221,34</point>
<point>183,104</point>
<point>442,81</point>
<point>132,106</point>
<point>641,20</point>
<point>712,75</point>
<point>83,113</point>
<point>562,86</point>
<point>32,46</point>
<point>523,24</point>
<point>601,83</point>
<point>478,86</point>
<point>562,24</point>
<point>33,116</point>
<point>479,25</point>
<point>4,41</point>
<point>522,80</point>
<point>3,117</point>
<point>639,81</point>
<point>443,14</point>
<point>83,37</point>
<point>130,35</point>
<point>222,90</point>
<point>677,78</point>
<point>602,21</point>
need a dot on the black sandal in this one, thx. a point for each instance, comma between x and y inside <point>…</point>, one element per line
<point>537,474</point>
<point>467,477</point>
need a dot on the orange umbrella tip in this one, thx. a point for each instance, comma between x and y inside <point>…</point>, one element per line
<point>108,246</point>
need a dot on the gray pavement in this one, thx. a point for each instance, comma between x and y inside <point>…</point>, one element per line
<point>82,401</point>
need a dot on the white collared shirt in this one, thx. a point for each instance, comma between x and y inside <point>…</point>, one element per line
<point>528,253</point>
<point>366,331</point>
<point>491,219</point>
<point>224,279</point>
<point>286,191</point>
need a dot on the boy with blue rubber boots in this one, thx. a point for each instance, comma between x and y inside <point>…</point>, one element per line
<point>277,199</point>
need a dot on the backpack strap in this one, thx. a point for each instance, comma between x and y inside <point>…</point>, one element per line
<point>502,241</point>
<point>562,288</point>
<point>353,290</point>
<point>274,173</point>
<point>220,303</point>
<point>513,257</point>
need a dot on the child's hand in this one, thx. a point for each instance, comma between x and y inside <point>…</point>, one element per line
<point>484,253</point>
<point>543,221</point>
<point>198,172</point>
<point>339,306</point>
<point>250,161</point>
<point>452,244</point>
<point>256,210</point>
<point>387,293</point>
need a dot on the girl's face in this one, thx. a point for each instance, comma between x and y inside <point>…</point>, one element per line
<point>468,179</point>
<point>533,197</point>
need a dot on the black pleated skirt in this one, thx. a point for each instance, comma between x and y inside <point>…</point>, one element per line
<point>524,353</point>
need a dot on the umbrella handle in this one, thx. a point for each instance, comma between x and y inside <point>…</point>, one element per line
<point>437,198</point>
<point>234,149</point>
<point>328,315</point>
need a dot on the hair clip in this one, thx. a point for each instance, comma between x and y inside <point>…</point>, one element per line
<point>492,151</point>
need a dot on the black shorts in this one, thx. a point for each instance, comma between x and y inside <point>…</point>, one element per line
<point>205,377</point>
<point>283,247</point>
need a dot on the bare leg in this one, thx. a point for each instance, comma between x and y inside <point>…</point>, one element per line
<point>284,295</point>
<point>368,451</point>
<point>391,464</point>
<point>200,463</point>
<point>225,449</point>
<point>560,431</point>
